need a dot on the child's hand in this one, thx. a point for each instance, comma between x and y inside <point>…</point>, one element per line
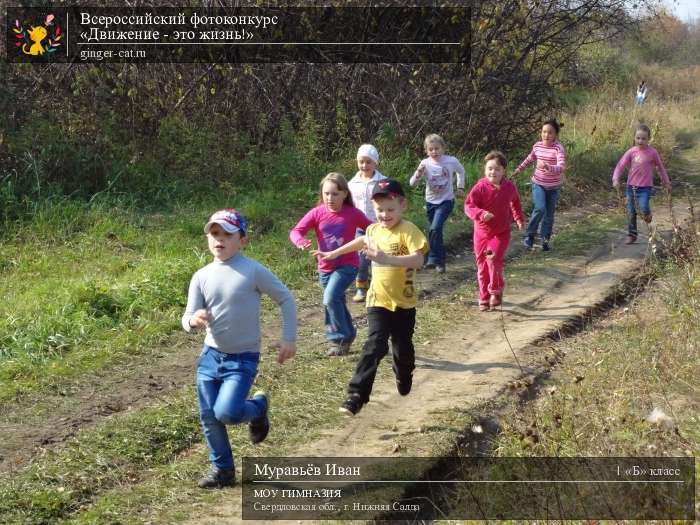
<point>542,165</point>
<point>667,187</point>
<point>326,256</point>
<point>420,171</point>
<point>487,216</point>
<point>520,225</point>
<point>616,184</point>
<point>287,351</point>
<point>460,192</point>
<point>304,244</point>
<point>201,318</point>
<point>373,253</point>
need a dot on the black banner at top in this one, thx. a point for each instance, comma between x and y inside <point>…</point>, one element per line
<point>238,35</point>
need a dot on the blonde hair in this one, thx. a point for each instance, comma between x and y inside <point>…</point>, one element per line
<point>494,154</point>
<point>340,182</point>
<point>434,138</point>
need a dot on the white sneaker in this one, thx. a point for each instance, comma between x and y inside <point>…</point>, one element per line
<point>360,296</point>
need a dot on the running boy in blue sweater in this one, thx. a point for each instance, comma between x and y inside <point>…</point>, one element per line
<point>224,298</point>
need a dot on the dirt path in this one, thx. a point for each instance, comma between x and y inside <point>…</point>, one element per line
<point>475,363</point>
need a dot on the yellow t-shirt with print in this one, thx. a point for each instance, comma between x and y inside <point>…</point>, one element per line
<point>393,287</point>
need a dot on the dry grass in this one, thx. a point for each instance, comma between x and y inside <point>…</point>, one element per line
<point>668,82</point>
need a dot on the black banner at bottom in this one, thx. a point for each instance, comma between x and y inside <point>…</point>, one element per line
<point>468,488</point>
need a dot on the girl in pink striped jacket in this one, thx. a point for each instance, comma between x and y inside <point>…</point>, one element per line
<point>546,181</point>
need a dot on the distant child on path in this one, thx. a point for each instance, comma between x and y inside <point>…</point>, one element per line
<point>493,203</point>
<point>438,170</point>
<point>641,93</point>
<point>361,186</point>
<point>641,159</point>
<point>224,298</point>
<point>335,221</point>
<point>550,159</point>
<point>396,248</point>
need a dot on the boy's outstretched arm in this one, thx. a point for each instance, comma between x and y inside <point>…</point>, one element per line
<point>373,253</point>
<point>357,244</point>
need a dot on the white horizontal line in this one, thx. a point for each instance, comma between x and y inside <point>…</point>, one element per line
<point>474,481</point>
<point>269,43</point>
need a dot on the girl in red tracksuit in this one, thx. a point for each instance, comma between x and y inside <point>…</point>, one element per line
<point>492,204</point>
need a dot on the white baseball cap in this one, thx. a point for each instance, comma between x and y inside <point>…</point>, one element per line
<point>229,219</point>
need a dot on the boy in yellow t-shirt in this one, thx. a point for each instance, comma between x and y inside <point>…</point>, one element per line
<point>396,248</point>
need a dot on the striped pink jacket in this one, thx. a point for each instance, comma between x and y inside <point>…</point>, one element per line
<point>554,155</point>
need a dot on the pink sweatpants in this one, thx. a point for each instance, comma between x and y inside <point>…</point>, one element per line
<point>490,251</point>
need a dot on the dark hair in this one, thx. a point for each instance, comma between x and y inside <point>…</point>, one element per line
<point>553,122</point>
<point>643,127</point>
<point>340,182</point>
<point>499,156</point>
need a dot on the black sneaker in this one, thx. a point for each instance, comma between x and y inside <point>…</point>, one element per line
<point>529,241</point>
<point>404,385</point>
<point>545,245</point>
<point>352,405</point>
<point>259,427</point>
<point>218,478</point>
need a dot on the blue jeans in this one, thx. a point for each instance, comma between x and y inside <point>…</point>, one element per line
<point>362,279</point>
<point>437,216</point>
<point>637,201</point>
<point>339,328</point>
<point>544,202</point>
<point>223,384</point>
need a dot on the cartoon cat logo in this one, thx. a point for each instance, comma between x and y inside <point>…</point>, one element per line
<point>37,35</point>
<point>32,41</point>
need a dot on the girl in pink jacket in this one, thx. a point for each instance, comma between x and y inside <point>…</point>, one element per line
<point>492,204</point>
<point>335,221</point>
<point>641,160</point>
